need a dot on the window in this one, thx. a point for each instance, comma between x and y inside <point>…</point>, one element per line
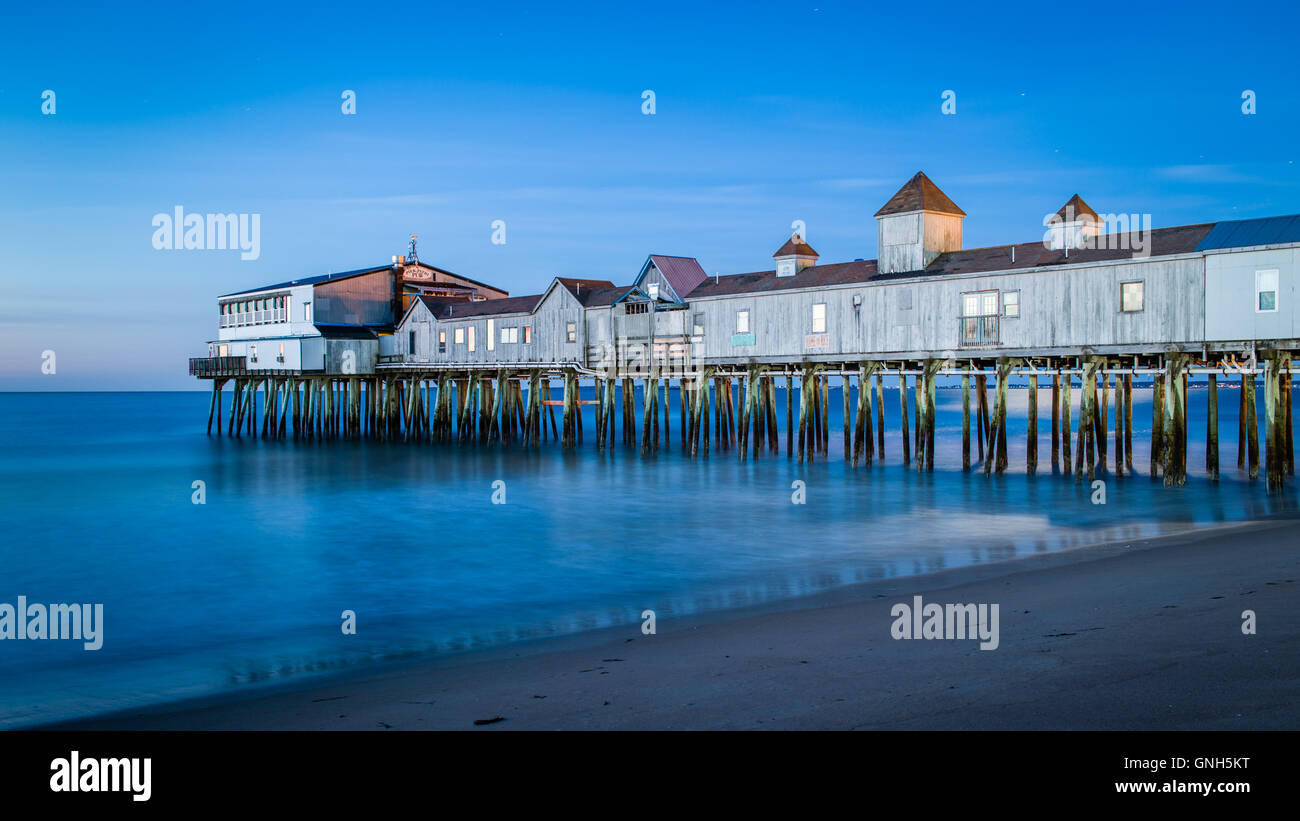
<point>1130,296</point>
<point>571,331</point>
<point>636,307</point>
<point>252,353</point>
<point>460,336</point>
<point>1011,303</point>
<point>528,334</point>
<point>742,322</point>
<point>223,350</point>
<point>280,358</point>
<point>491,334</point>
<point>306,312</point>
<point>654,290</point>
<point>979,318</point>
<point>469,337</point>
<point>698,325</point>
<point>1266,291</point>
<point>819,318</point>
<point>410,342</point>
<point>442,341</point>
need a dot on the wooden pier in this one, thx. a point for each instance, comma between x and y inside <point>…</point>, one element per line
<point>734,408</point>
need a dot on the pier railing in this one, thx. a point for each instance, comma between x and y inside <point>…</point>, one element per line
<point>979,331</point>
<point>208,366</point>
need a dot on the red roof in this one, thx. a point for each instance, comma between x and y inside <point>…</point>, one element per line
<point>920,194</point>
<point>795,246</point>
<point>682,273</point>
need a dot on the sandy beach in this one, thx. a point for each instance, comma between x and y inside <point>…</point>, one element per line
<point>1128,636</point>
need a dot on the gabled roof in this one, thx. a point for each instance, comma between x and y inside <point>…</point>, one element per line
<point>578,287</point>
<point>1074,209</point>
<point>795,247</point>
<point>920,194</point>
<point>316,280</point>
<point>446,309</point>
<point>681,273</point>
<point>436,269</point>
<point>601,297</point>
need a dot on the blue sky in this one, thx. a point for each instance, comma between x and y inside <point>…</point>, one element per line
<point>765,113</point>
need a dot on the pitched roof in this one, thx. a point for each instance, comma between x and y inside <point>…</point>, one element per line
<point>920,194</point>
<point>600,297</point>
<point>579,287</point>
<point>435,268</point>
<point>795,246</point>
<point>1162,242</point>
<point>310,280</point>
<point>443,309</point>
<point>1244,233</point>
<point>682,273</point>
<point>1075,208</point>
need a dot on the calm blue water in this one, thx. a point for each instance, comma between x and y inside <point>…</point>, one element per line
<point>249,587</point>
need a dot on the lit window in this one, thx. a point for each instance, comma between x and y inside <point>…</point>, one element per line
<point>470,337</point>
<point>1266,291</point>
<point>1011,303</point>
<point>742,322</point>
<point>460,336</point>
<point>1130,296</point>
<point>491,334</point>
<point>442,341</point>
<point>819,318</point>
<point>571,331</point>
<point>528,334</point>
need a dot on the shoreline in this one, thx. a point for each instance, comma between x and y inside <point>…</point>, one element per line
<point>402,694</point>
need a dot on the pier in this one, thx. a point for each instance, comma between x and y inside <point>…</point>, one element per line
<point>733,409</point>
<point>416,353</point>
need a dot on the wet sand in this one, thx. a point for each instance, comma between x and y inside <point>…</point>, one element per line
<point>1134,635</point>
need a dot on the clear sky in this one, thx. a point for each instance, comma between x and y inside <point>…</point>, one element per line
<point>474,112</point>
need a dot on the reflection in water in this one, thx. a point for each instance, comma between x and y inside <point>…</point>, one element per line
<point>249,587</point>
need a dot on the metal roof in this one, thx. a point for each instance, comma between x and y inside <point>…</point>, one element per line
<point>309,280</point>
<point>1243,233</point>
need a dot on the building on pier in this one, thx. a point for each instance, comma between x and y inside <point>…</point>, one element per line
<point>1078,289</point>
<point>331,323</point>
<point>1195,288</point>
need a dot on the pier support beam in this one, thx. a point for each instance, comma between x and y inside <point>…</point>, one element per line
<point>1212,428</point>
<point>1031,433</point>
<point>965,417</point>
<point>1157,423</point>
<point>902,404</point>
<point>1250,426</point>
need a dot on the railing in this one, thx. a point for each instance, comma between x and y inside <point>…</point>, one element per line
<point>206,366</point>
<point>979,331</point>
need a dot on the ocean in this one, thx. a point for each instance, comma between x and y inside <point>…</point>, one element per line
<point>249,588</point>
